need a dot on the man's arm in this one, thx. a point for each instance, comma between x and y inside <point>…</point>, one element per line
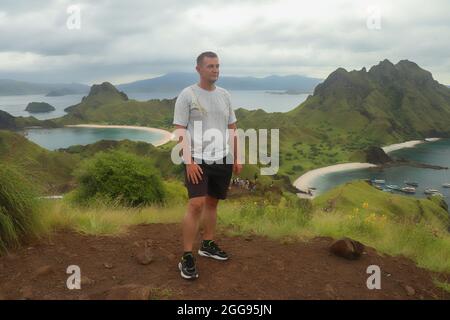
<point>193,170</point>
<point>237,167</point>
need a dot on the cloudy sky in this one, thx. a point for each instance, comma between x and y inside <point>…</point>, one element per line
<point>121,41</point>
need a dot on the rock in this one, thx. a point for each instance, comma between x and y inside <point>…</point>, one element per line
<point>347,248</point>
<point>144,257</point>
<point>409,290</point>
<point>108,265</point>
<point>376,155</point>
<point>44,271</point>
<point>129,292</point>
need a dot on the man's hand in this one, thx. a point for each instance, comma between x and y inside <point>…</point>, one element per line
<point>194,172</point>
<point>237,168</point>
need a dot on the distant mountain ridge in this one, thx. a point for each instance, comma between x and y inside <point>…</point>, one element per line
<point>387,103</point>
<point>179,80</point>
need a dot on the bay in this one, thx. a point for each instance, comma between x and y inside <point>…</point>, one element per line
<point>436,153</point>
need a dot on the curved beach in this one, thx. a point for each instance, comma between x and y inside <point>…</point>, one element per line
<point>166,135</point>
<point>407,144</point>
<point>398,146</point>
<point>306,181</point>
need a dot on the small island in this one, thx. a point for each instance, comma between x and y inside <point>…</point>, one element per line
<point>37,107</point>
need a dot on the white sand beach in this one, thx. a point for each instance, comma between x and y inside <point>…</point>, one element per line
<point>432,139</point>
<point>167,136</point>
<point>305,181</point>
<point>407,144</point>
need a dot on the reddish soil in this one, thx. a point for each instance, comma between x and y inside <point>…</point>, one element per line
<point>259,268</point>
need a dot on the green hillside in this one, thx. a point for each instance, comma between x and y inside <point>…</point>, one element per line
<point>351,195</point>
<point>351,111</point>
<point>49,170</point>
<point>52,170</point>
<point>106,105</point>
<point>8,122</point>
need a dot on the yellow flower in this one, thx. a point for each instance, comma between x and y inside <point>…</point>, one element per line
<point>365,205</point>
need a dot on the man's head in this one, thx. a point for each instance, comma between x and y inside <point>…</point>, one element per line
<point>208,66</point>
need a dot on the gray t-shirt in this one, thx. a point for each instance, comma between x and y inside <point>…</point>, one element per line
<point>210,110</point>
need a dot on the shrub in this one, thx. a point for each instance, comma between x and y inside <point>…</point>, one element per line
<point>19,208</point>
<point>116,176</point>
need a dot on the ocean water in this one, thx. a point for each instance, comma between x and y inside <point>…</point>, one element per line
<point>248,99</point>
<point>436,153</point>
<point>52,139</point>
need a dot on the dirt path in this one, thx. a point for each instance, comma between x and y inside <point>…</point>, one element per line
<point>259,268</point>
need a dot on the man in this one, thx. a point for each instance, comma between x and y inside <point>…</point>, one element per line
<point>208,166</point>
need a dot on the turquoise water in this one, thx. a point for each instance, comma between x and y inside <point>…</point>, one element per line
<point>64,137</point>
<point>436,153</point>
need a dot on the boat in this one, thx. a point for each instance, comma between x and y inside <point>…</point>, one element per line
<point>393,187</point>
<point>409,189</point>
<point>437,193</point>
<point>380,181</point>
<point>431,191</point>
<point>446,185</point>
<point>411,183</point>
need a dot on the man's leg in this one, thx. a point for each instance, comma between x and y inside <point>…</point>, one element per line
<point>209,217</point>
<point>208,247</point>
<point>191,221</point>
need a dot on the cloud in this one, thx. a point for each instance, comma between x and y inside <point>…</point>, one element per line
<point>126,40</point>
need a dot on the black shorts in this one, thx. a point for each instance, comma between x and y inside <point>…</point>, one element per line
<point>215,181</point>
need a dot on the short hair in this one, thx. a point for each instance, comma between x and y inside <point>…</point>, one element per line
<point>208,54</point>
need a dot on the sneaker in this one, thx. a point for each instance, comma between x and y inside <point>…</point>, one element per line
<point>211,250</point>
<point>187,267</point>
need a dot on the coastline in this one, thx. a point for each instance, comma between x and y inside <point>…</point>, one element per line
<point>305,181</point>
<point>402,145</point>
<point>166,135</point>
